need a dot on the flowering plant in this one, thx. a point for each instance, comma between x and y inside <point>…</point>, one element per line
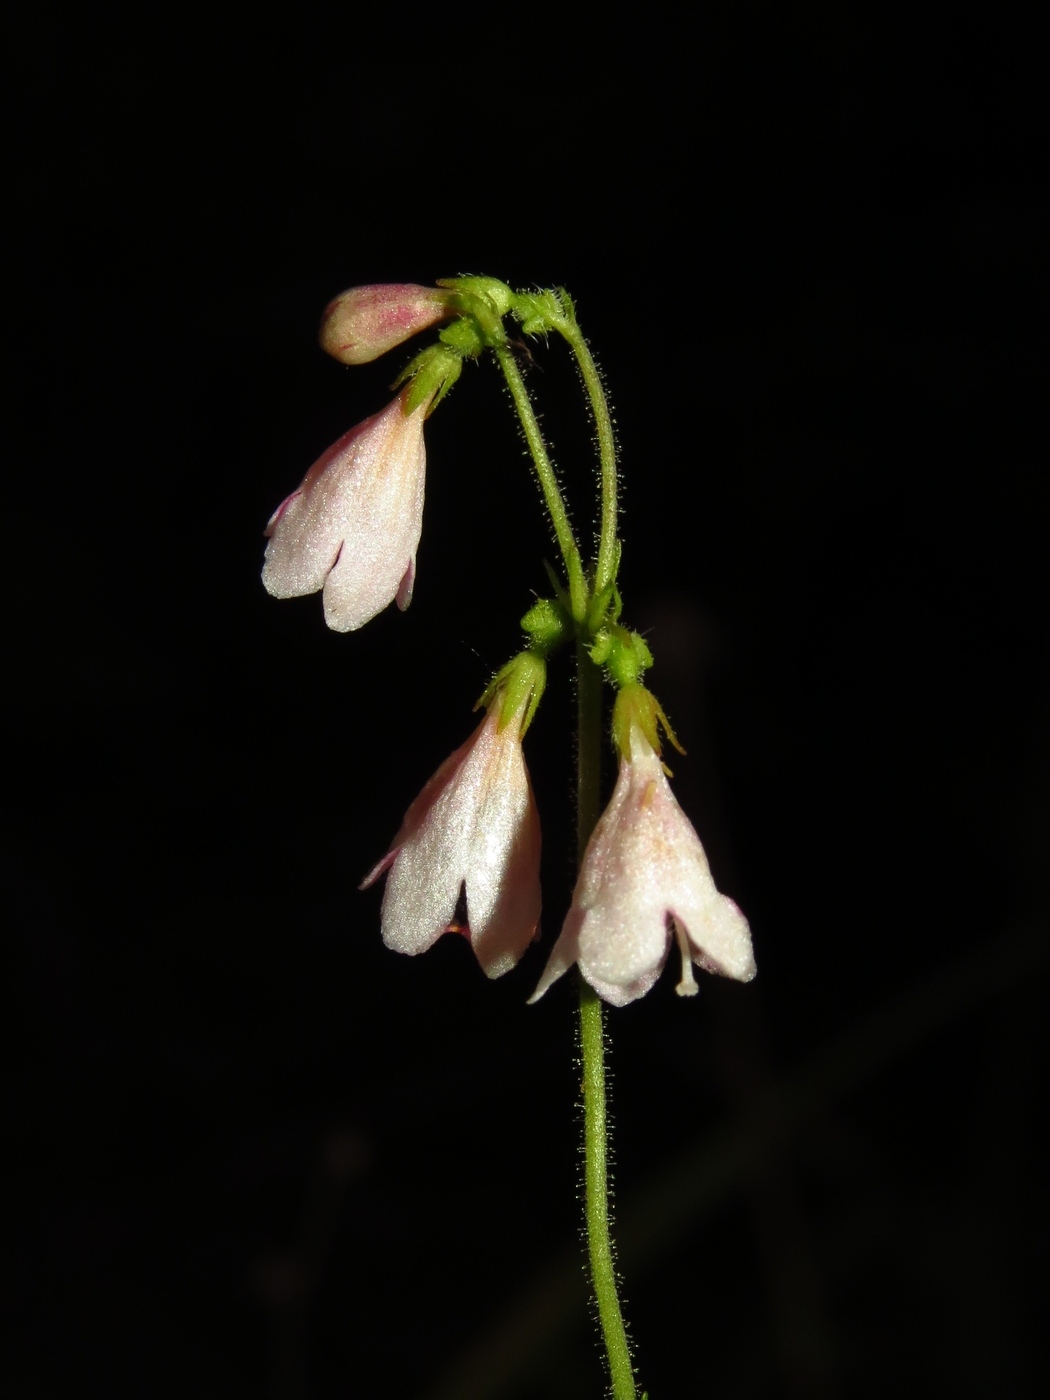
<point>466,858</point>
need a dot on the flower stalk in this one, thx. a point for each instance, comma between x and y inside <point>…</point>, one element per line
<point>548,481</point>
<point>605,566</point>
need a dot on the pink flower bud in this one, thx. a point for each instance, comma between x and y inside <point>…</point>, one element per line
<point>474,826</point>
<point>643,879</point>
<point>353,526</point>
<point>366,322</point>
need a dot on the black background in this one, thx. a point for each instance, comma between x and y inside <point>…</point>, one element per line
<point>255,1153</point>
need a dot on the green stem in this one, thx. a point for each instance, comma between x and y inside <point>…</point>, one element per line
<point>592,1044</point>
<point>605,569</point>
<point>547,479</point>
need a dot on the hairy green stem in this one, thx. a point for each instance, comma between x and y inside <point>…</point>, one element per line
<point>605,569</point>
<point>592,1045</point>
<point>545,473</point>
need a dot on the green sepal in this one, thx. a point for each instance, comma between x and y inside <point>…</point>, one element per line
<point>635,705</point>
<point>548,624</point>
<point>433,373</point>
<point>519,684</point>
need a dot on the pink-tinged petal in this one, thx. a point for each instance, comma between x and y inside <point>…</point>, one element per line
<point>474,827</point>
<point>503,890</point>
<point>307,530</point>
<point>433,788</point>
<point>720,939</point>
<point>280,511</point>
<point>363,323</point>
<point>422,891</point>
<point>564,954</point>
<point>353,526</point>
<point>380,868</point>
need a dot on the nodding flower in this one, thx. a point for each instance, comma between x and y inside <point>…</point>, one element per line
<point>353,526</point>
<point>644,884</point>
<point>473,830</point>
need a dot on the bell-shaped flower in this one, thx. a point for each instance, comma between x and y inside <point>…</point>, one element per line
<point>474,829</point>
<point>644,881</point>
<point>353,526</point>
<point>366,322</point>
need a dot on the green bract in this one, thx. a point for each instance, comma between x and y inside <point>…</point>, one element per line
<point>637,706</point>
<point>433,373</point>
<point>520,683</point>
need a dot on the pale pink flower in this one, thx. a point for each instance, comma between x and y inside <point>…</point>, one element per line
<point>645,877</point>
<point>353,526</point>
<point>474,825</point>
<point>366,322</point>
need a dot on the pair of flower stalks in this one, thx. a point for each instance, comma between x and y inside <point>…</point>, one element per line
<point>352,530</point>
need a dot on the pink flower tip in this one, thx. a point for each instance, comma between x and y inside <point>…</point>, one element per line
<point>365,322</point>
<point>473,828</point>
<point>353,526</point>
<point>644,882</point>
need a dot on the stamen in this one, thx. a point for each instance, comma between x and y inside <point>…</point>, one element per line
<point>687,987</point>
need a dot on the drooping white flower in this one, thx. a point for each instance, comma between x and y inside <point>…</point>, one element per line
<point>645,879</point>
<point>353,526</point>
<point>475,827</point>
